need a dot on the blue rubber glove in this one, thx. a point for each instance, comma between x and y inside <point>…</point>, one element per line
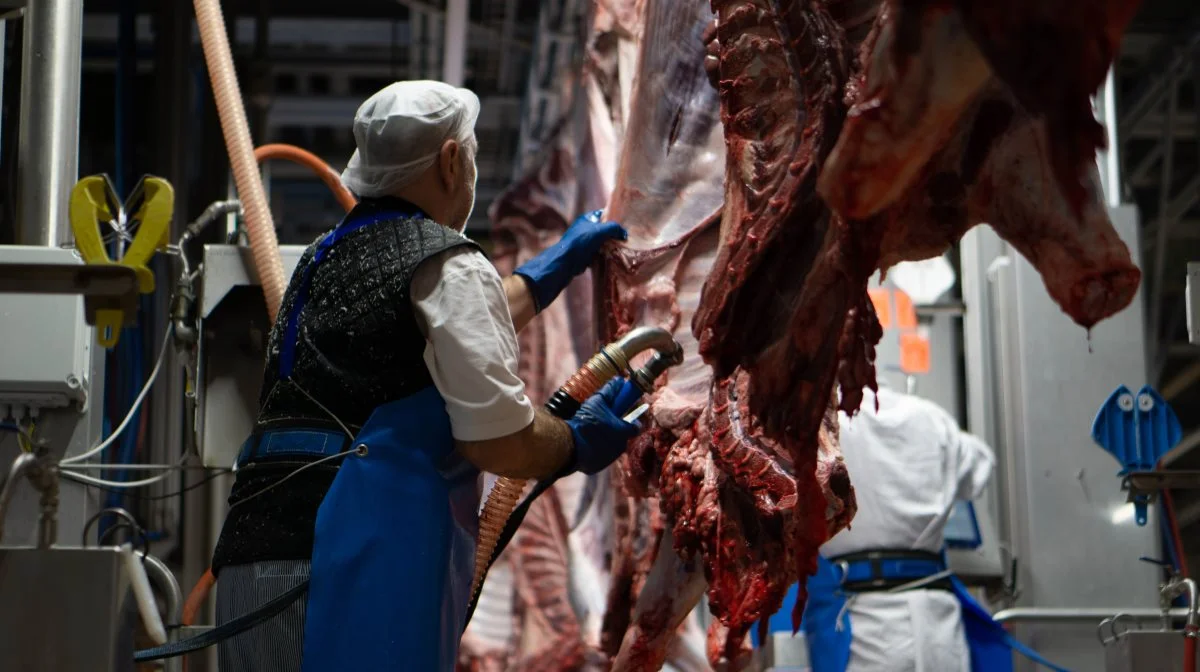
<point>549,273</point>
<point>600,434</point>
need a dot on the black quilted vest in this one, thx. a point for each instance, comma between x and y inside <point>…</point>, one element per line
<point>358,347</point>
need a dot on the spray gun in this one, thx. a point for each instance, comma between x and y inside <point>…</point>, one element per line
<point>501,516</point>
<point>613,360</point>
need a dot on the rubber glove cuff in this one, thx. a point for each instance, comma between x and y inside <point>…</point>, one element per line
<point>601,435</point>
<point>549,273</point>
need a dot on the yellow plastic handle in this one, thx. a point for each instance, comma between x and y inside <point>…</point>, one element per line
<point>90,199</point>
<point>152,235</point>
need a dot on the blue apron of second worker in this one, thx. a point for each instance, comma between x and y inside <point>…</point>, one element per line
<point>390,384</point>
<point>882,599</point>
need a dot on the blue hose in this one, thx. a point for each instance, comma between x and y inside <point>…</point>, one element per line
<point>127,368</point>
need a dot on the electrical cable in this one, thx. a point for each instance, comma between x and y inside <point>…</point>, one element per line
<point>141,397</point>
<point>149,498</point>
<point>1173,524</point>
<point>16,429</point>
<point>113,485</point>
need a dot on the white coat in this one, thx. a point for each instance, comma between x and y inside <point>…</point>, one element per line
<point>909,462</point>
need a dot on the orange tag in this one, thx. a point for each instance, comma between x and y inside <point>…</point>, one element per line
<point>883,307</point>
<point>906,315</point>
<point>914,353</point>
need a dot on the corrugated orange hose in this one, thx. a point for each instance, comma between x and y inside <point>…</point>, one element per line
<point>261,228</point>
<point>306,158</point>
<point>195,600</point>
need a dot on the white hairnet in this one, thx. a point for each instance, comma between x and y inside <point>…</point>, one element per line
<point>400,130</point>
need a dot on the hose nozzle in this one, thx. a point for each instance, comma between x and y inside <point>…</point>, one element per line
<point>613,360</point>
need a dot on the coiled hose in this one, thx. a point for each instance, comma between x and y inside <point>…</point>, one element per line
<point>259,225</point>
<point>504,495</point>
<point>497,523</point>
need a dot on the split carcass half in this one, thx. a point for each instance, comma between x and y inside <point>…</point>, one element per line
<point>726,487</point>
<point>749,477</point>
<point>551,583</point>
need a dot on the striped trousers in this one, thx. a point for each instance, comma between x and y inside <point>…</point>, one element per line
<point>276,645</point>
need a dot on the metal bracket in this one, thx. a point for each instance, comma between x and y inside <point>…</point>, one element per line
<point>1150,483</point>
<point>102,287</point>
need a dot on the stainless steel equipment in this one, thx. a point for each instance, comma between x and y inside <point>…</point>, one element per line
<point>1035,380</point>
<point>48,135</point>
<point>231,353</point>
<point>66,610</point>
<point>1145,651</point>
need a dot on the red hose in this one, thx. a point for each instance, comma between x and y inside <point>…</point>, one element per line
<point>306,158</point>
<point>195,600</point>
<point>1189,650</point>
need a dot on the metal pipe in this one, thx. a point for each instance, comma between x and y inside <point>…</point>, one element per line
<point>48,134</point>
<point>1179,586</point>
<point>1164,224</point>
<point>640,340</point>
<point>454,48</point>
<point>1112,165</point>
<point>47,483</point>
<point>166,580</point>
<point>19,466</point>
<point>1066,615</point>
<point>161,574</point>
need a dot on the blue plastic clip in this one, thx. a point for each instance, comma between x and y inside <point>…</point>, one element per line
<point>1138,431</point>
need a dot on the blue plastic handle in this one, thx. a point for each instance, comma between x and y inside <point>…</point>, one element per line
<point>627,398</point>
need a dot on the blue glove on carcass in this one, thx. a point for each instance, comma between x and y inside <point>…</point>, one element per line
<point>599,432</point>
<point>550,272</point>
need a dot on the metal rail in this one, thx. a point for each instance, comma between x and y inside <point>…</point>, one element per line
<point>1082,614</point>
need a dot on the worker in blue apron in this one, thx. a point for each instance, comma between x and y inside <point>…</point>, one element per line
<point>882,598</point>
<point>390,384</point>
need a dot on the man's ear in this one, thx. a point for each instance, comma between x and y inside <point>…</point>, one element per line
<point>448,164</point>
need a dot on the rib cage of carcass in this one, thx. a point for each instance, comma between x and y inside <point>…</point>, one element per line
<point>777,154</point>
<point>542,605</point>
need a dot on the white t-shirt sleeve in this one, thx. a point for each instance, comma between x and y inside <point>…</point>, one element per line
<point>471,346</point>
<point>975,464</point>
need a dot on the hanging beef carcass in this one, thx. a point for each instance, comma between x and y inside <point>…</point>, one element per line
<point>552,581</point>
<point>727,488</point>
<point>957,122</point>
<point>746,465</point>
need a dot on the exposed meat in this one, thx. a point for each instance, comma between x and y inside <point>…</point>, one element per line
<point>626,14</point>
<point>1053,55</point>
<point>747,469</point>
<point>729,493</point>
<point>993,160</point>
<point>551,636</point>
<point>560,560</point>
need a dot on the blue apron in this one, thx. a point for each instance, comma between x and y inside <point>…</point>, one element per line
<point>826,622</point>
<point>394,546</point>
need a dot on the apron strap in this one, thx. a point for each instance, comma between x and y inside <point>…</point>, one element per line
<point>356,219</point>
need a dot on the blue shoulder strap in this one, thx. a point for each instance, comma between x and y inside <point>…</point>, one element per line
<point>362,216</point>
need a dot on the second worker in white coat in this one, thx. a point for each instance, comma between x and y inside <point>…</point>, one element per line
<point>882,599</point>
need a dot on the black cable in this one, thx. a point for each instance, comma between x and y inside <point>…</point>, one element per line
<point>169,495</point>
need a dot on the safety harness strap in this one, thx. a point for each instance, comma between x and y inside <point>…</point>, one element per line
<point>223,632</point>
